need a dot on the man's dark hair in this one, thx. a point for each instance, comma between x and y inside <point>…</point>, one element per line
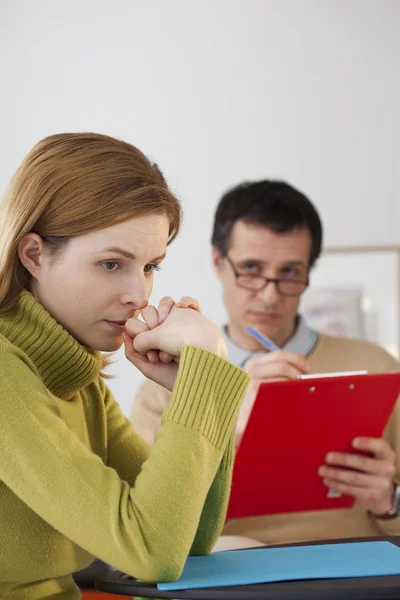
<point>273,204</point>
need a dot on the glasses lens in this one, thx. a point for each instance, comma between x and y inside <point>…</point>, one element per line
<point>291,288</point>
<point>251,282</point>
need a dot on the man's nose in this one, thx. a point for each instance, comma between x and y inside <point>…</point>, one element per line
<point>270,294</point>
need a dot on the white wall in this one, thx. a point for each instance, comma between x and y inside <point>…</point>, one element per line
<point>218,91</point>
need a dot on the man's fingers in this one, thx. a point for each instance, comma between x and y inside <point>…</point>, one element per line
<point>361,463</point>
<point>273,370</point>
<point>377,446</point>
<point>362,493</point>
<point>350,477</point>
<point>346,488</point>
<point>270,364</point>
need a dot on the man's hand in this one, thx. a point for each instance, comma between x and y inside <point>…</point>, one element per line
<point>271,366</point>
<point>369,479</point>
<point>276,366</point>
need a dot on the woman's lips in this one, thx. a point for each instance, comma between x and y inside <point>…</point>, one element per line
<point>119,325</point>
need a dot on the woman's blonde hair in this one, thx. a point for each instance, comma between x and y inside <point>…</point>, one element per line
<point>71,184</point>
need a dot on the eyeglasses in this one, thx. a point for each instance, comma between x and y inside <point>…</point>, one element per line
<point>256,283</point>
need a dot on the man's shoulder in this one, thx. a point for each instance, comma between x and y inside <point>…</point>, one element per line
<point>353,353</point>
<point>335,341</point>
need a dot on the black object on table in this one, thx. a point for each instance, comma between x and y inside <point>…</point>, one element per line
<point>354,588</point>
<point>87,577</point>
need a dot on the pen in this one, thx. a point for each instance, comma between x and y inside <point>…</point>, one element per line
<point>266,342</point>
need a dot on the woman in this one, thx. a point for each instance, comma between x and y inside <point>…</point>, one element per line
<point>85,223</point>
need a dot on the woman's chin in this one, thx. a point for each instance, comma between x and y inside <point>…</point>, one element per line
<point>106,345</point>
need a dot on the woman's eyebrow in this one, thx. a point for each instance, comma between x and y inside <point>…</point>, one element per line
<point>126,253</point>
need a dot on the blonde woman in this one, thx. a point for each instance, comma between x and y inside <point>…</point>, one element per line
<point>85,224</point>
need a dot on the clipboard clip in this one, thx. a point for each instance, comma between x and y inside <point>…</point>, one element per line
<point>337,374</point>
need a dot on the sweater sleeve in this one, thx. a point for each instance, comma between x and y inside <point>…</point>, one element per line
<point>147,529</point>
<point>212,521</point>
<point>127,452</point>
<point>149,405</point>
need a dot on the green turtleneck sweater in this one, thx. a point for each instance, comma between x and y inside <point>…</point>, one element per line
<point>76,481</point>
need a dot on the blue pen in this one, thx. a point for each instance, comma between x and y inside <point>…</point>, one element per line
<point>262,339</point>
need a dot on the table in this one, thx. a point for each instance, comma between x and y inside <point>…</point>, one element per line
<point>357,588</point>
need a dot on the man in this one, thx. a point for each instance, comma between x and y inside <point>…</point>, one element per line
<point>267,237</point>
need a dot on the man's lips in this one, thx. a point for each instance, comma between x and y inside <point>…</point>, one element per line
<point>265,314</point>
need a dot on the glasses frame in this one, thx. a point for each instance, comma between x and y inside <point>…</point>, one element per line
<point>276,280</point>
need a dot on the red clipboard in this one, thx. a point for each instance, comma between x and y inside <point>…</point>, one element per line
<point>292,426</point>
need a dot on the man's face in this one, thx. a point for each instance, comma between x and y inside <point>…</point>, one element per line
<point>258,250</point>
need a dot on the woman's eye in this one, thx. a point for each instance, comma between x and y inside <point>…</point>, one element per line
<point>151,267</point>
<point>111,265</point>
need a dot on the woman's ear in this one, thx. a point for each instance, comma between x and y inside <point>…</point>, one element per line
<point>30,253</point>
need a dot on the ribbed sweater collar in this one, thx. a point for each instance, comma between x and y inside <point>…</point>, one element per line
<point>62,363</point>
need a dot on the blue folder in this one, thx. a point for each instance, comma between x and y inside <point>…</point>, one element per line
<point>263,565</point>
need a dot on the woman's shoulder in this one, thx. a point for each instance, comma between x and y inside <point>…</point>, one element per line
<point>13,361</point>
